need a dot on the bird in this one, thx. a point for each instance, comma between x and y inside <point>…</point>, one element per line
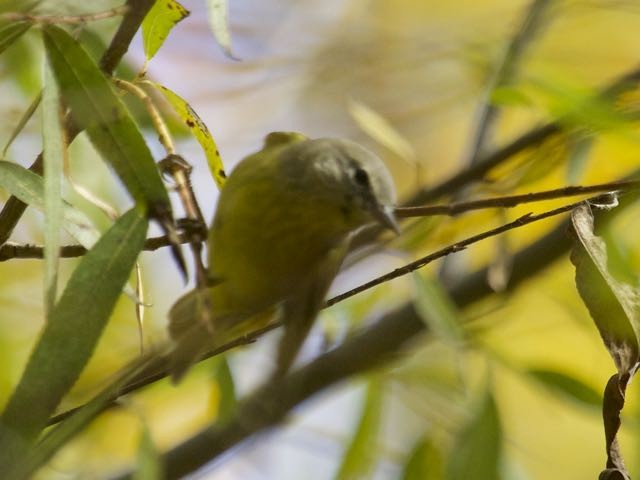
<point>281,229</point>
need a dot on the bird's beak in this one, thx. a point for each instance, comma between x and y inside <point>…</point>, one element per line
<point>384,215</point>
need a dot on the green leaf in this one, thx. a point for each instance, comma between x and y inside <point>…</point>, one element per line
<point>53,159</point>
<point>360,456</point>
<point>149,465</point>
<point>579,107</point>
<point>70,336</point>
<point>163,16</point>
<point>198,129</point>
<point>11,32</point>
<point>219,21</point>
<point>96,108</point>
<point>568,386</point>
<point>437,310</point>
<point>226,389</point>
<point>477,450</point>
<point>26,116</point>
<point>28,187</point>
<point>613,304</point>
<point>425,462</point>
<point>60,435</point>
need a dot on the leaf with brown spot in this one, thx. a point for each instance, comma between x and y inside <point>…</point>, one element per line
<point>163,16</point>
<point>198,129</point>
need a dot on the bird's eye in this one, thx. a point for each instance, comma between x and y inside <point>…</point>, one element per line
<point>361,177</point>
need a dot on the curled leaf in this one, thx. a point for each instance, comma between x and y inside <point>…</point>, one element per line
<point>613,304</point>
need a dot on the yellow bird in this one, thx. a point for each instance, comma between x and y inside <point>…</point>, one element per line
<point>281,229</point>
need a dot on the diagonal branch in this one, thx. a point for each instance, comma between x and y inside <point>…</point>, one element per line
<point>373,347</point>
<point>11,250</point>
<point>531,138</point>
<point>158,369</point>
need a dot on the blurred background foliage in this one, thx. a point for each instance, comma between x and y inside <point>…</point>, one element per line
<point>508,388</point>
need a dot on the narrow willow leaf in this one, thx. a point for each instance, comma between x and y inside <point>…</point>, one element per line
<point>33,106</point>
<point>53,152</point>
<point>96,108</point>
<point>360,457</point>
<point>581,108</point>
<point>437,310</point>
<point>226,400</point>
<point>568,386</point>
<point>11,32</point>
<point>28,187</point>
<point>425,461</point>
<point>163,16</point>
<point>380,130</point>
<point>219,21</point>
<point>149,464</point>
<point>198,129</point>
<point>69,338</point>
<point>477,451</point>
<point>60,435</point>
<point>613,304</point>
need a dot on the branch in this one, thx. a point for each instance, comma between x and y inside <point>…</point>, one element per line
<point>11,250</point>
<point>455,247</point>
<point>509,201</point>
<point>373,347</point>
<point>159,368</point>
<point>62,19</point>
<point>535,136</point>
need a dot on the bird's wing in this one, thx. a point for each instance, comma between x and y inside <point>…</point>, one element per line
<point>301,309</point>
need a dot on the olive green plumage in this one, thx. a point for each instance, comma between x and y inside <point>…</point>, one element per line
<point>280,232</point>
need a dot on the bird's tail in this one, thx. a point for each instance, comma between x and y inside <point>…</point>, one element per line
<point>195,329</point>
<point>191,328</point>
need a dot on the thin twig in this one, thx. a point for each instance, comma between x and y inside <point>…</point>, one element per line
<point>535,136</point>
<point>456,247</point>
<point>509,201</point>
<point>25,251</point>
<point>368,349</point>
<point>11,250</point>
<point>180,171</point>
<point>63,19</point>
<point>160,369</point>
<point>158,123</point>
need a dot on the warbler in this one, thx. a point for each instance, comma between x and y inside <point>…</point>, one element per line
<point>280,232</point>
